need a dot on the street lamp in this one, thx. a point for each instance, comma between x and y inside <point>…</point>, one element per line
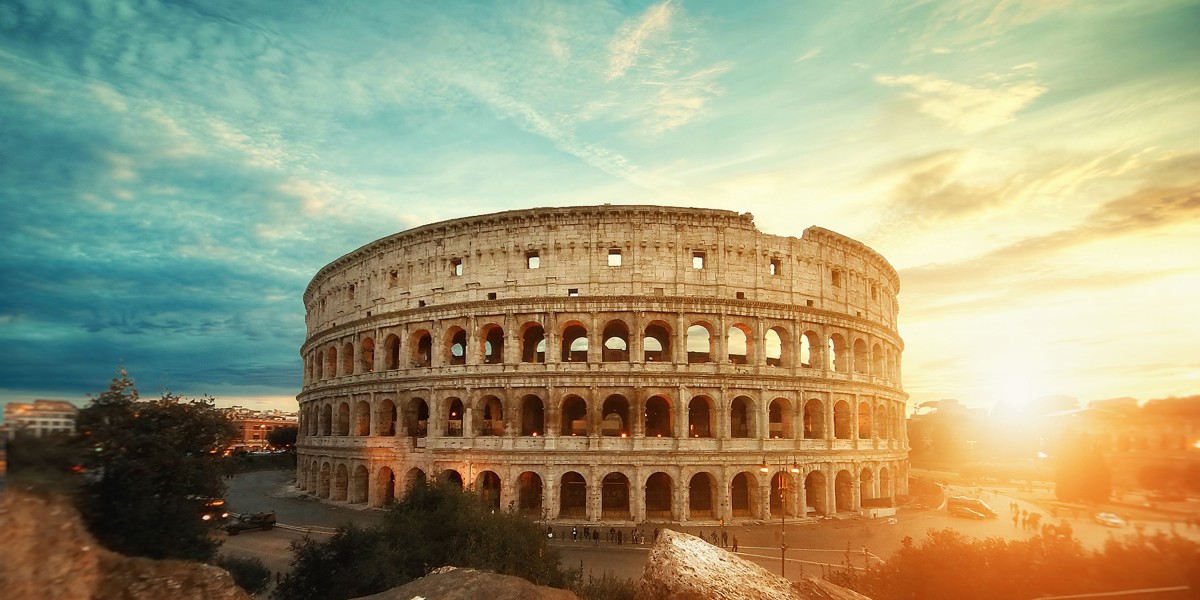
<point>783,487</point>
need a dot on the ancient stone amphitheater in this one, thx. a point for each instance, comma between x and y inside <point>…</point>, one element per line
<point>607,363</point>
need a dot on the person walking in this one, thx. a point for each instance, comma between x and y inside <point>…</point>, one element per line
<point>735,544</point>
<point>724,539</point>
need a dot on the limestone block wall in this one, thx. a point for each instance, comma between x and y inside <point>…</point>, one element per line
<point>610,363</point>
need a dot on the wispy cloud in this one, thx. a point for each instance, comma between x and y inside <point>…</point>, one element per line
<point>969,108</point>
<point>630,42</point>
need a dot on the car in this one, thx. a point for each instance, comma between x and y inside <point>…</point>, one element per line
<point>974,504</point>
<point>1109,519</point>
<point>239,522</point>
<point>211,510</point>
<point>966,513</point>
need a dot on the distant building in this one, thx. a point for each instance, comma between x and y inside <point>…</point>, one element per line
<point>253,426</point>
<point>41,417</point>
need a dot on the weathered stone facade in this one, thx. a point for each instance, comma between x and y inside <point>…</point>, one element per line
<point>607,363</point>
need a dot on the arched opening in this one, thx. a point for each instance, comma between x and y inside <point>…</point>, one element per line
<point>838,361</point>
<point>325,487</point>
<point>341,483</point>
<point>529,494</point>
<point>882,428</point>
<point>774,346</point>
<point>367,360</point>
<point>877,361</point>
<point>343,419</point>
<point>572,496</point>
<point>451,477</point>
<point>456,346</point>
<point>843,491</point>
<point>491,411</point>
<point>814,420</point>
<point>702,496</point>
<point>314,476</point>
<point>841,420</point>
<point>861,360</point>
<point>885,484</point>
<point>741,425</point>
<point>386,417</point>
<point>318,366</point>
<point>658,417</point>
<point>737,342</point>
<point>700,417</point>
<point>659,491</point>
<point>493,344</point>
<point>616,342</point>
<point>454,417</point>
<point>779,418</point>
<point>574,343</point>
<point>574,417</point>
<point>866,486</point>
<point>615,417</point>
<point>810,345</point>
<point>385,486</point>
<point>391,352</point>
<point>418,418</point>
<point>327,420</point>
<point>656,345</point>
<point>360,484</point>
<point>742,495</point>
<point>413,477</point>
<point>362,418</point>
<point>533,344</point>
<point>422,349</point>
<point>614,496</point>
<point>331,363</point>
<point>533,421</point>
<point>699,344</point>
<point>892,373</point>
<point>814,493</point>
<point>781,495</point>
<point>488,486</point>
<point>347,359</point>
<point>864,421</point>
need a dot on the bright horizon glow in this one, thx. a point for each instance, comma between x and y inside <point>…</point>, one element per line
<point>174,177</point>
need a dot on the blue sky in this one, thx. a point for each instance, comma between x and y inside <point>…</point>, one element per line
<point>174,173</point>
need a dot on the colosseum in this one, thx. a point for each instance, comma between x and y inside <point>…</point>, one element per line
<point>607,363</point>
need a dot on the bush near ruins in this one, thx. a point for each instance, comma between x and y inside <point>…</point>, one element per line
<point>434,526</point>
<point>250,574</point>
<point>948,564</point>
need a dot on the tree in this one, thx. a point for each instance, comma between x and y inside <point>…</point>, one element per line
<point>435,525</point>
<point>283,437</point>
<point>151,466</point>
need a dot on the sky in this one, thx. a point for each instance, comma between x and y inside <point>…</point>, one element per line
<point>172,174</point>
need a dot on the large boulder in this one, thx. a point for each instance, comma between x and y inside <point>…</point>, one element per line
<point>451,583</point>
<point>685,567</point>
<point>48,554</point>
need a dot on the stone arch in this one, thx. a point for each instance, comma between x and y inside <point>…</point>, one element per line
<point>702,496</point>
<point>362,418</point>
<point>700,417</point>
<point>327,420</point>
<point>414,477</point>
<point>529,494</point>
<point>451,477</point>
<point>385,415</point>
<point>491,416</point>
<point>810,349</point>
<point>391,352</point>
<point>455,346</point>
<point>741,418</point>
<point>866,485</point>
<point>574,415</point>
<point>421,343</point>
<point>417,417</point>
<point>883,425</point>
<point>616,342</point>
<point>862,361</point>
<point>614,416</point>
<point>533,416</point>
<point>341,482</point>
<point>314,473</point>
<point>660,491</point>
<point>614,496</point>
<point>533,343</point>
<point>738,343</point>
<point>843,491</point>
<point>658,417</point>
<point>385,486</point>
<point>699,343</point>
<point>782,503</point>
<point>656,343</point>
<point>325,485</point>
<point>841,420</point>
<point>331,362</point>
<point>454,417</point>
<point>318,366</point>
<point>864,421</point>
<point>487,485</point>
<point>572,497</point>
<point>838,359</point>
<point>775,347</point>
<point>814,420</point>
<point>877,361</point>
<point>367,360</point>
<point>347,359</point>
<point>743,495</point>
<point>814,493</point>
<point>574,342</point>
<point>360,485</point>
<point>885,484</point>
<point>491,338</point>
<point>779,419</point>
<point>343,419</point>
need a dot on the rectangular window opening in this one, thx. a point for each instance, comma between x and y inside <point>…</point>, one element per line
<point>572,291</point>
<point>393,278</point>
<point>697,259</point>
<point>808,302</point>
<point>614,257</point>
<point>532,260</point>
<point>836,277</point>
<point>456,267</point>
<point>491,295</point>
<point>420,303</point>
<point>741,295</point>
<point>776,266</point>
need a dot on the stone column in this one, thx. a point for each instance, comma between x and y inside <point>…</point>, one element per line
<point>595,337</point>
<point>679,347</point>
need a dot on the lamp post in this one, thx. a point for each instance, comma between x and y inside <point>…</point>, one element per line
<point>783,487</point>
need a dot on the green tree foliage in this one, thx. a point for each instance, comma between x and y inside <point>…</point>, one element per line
<point>283,438</point>
<point>435,525</point>
<point>1081,473</point>
<point>948,564</point>
<point>150,462</point>
<point>250,574</point>
<point>44,463</point>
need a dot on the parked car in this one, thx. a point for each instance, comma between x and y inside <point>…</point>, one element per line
<point>966,513</point>
<point>1109,520</point>
<point>239,522</point>
<point>211,510</point>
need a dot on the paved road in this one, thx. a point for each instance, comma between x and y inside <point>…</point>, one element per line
<point>830,542</point>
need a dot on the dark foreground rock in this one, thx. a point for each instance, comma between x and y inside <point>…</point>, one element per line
<point>685,567</point>
<point>48,554</point>
<point>450,583</point>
